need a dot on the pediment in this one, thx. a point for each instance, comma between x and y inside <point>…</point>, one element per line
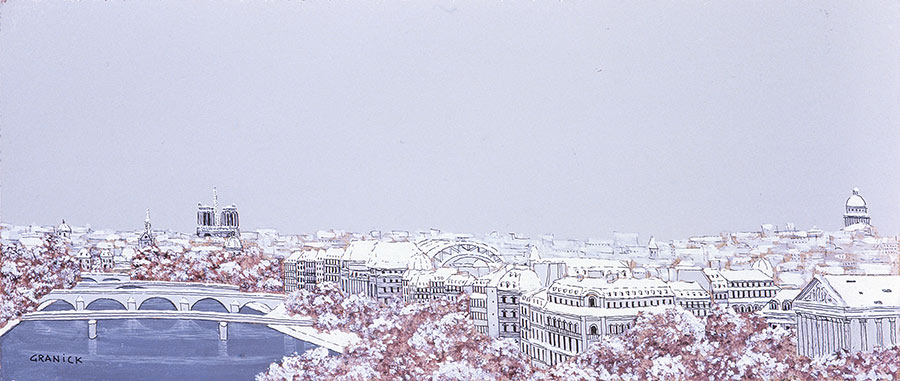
<point>818,292</point>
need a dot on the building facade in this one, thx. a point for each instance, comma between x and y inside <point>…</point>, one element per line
<point>494,302</point>
<point>847,313</point>
<point>743,290</point>
<point>560,321</point>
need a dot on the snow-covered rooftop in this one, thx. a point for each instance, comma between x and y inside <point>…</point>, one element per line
<point>866,290</point>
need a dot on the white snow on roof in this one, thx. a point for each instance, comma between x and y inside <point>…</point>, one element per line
<point>791,279</point>
<point>744,275</point>
<point>334,253</point>
<point>855,227</point>
<point>583,285</point>
<point>359,250</point>
<point>866,290</point>
<point>31,242</point>
<point>787,293</point>
<point>420,261</point>
<point>687,289</point>
<point>393,255</point>
<point>461,279</point>
<point>294,257</point>
<point>512,277</point>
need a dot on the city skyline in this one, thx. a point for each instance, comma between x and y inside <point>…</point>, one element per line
<point>313,117</point>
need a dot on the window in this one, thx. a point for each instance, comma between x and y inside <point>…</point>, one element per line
<point>593,329</point>
<point>592,302</point>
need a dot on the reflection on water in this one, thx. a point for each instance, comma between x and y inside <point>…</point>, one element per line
<point>141,349</point>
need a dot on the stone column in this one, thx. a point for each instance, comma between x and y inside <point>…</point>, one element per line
<point>802,335</point>
<point>223,330</point>
<point>863,336</point>
<point>808,335</point>
<point>92,329</point>
<point>835,337</point>
<point>848,342</point>
<point>839,328</point>
<point>893,326</point>
<point>879,333</point>
<point>223,348</point>
<point>818,343</point>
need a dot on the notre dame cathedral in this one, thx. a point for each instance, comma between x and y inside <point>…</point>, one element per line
<point>211,224</point>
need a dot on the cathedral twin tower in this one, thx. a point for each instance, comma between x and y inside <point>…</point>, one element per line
<point>212,224</point>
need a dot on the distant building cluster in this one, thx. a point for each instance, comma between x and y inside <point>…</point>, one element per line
<point>553,307</point>
<point>554,297</point>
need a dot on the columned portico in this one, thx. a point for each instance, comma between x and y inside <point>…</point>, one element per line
<point>827,322</point>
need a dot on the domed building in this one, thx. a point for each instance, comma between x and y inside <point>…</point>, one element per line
<point>855,210</point>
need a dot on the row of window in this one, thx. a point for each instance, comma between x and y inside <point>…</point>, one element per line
<point>750,284</point>
<point>563,342</point>
<point>510,313</point>
<point>752,294</point>
<point>548,357</point>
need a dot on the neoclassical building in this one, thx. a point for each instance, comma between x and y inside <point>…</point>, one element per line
<point>855,210</point>
<point>847,313</point>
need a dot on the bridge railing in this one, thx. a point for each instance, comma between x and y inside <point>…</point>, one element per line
<point>157,284</point>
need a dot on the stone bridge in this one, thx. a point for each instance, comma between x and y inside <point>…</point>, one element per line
<point>131,295</point>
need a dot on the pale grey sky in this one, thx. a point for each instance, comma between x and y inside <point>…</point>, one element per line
<point>575,118</point>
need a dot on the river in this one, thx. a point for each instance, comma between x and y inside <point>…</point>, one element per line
<point>141,349</point>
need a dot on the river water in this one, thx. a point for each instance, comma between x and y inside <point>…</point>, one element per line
<point>141,349</point>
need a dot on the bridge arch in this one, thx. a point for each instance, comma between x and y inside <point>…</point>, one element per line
<point>254,308</point>
<point>56,305</point>
<point>209,304</point>
<point>101,304</point>
<point>158,303</point>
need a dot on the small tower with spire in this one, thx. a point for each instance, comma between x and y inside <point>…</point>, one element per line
<point>63,230</point>
<point>146,238</point>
